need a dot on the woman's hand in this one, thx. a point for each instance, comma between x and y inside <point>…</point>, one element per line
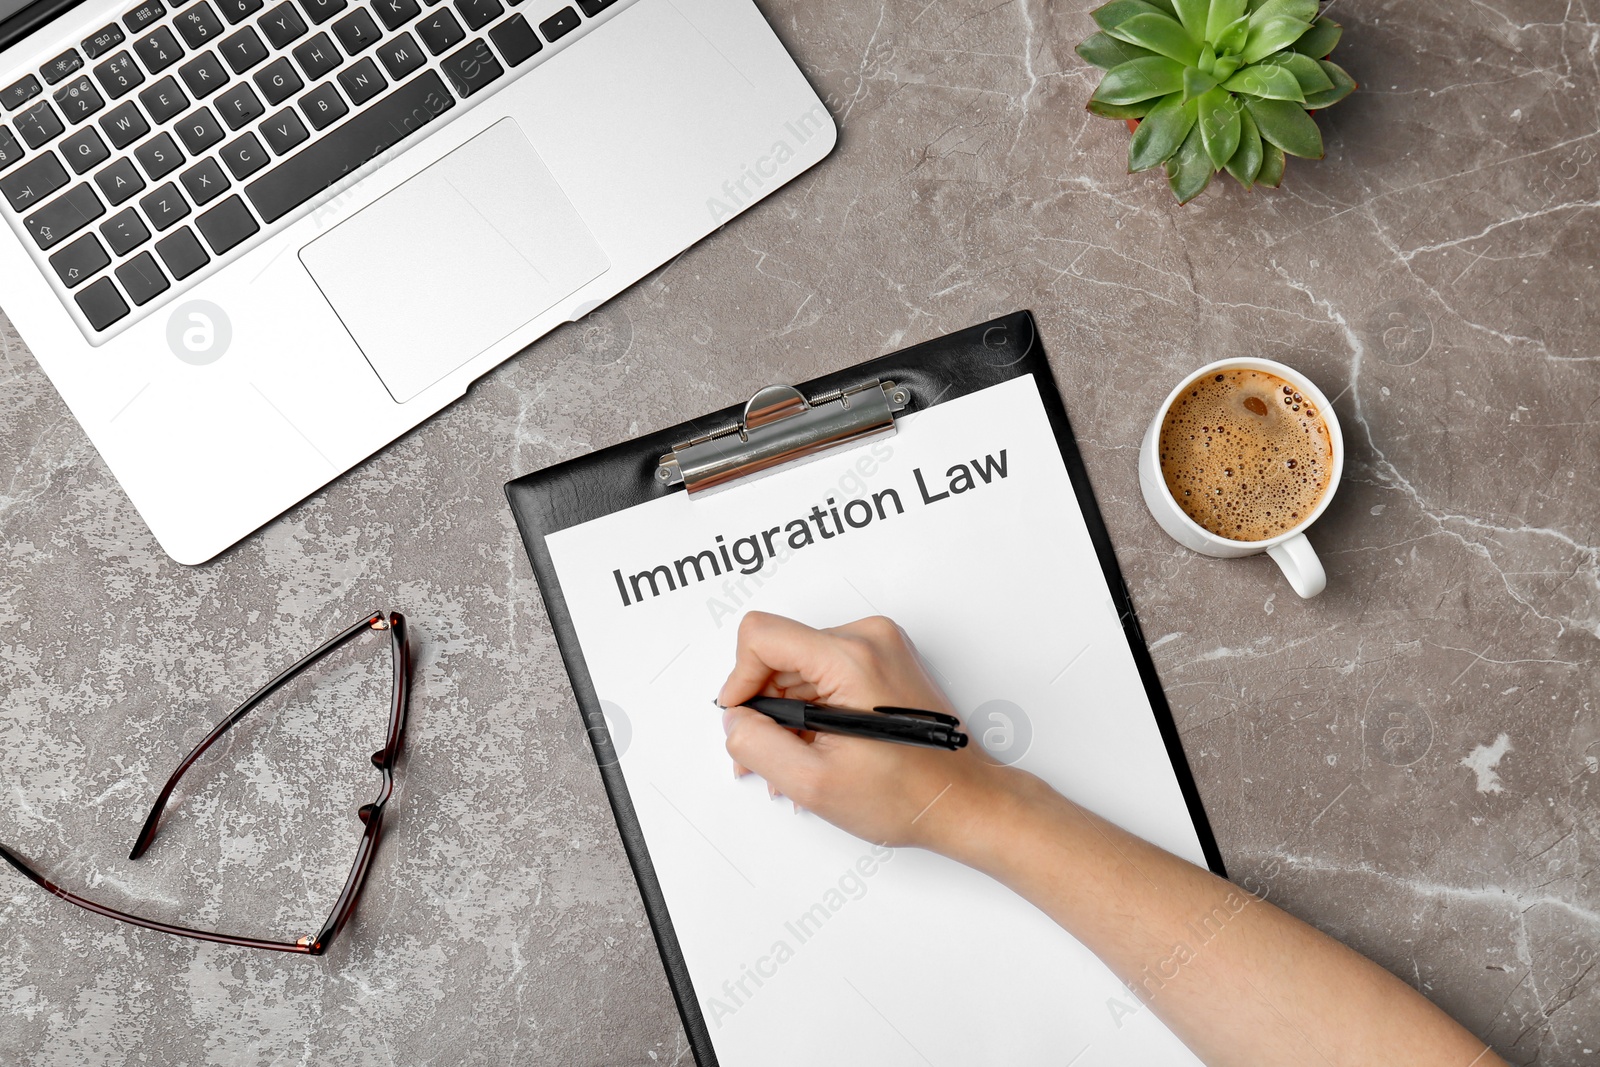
<point>885,793</point>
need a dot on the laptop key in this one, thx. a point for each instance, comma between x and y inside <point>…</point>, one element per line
<point>64,216</point>
<point>199,130</point>
<point>142,277</point>
<point>559,25</point>
<point>401,56</point>
<point>124,124</point>
<point>101,304</point>
<point>203,75</point>
<point>362,82</point>
<point>471,68</point>
<point>205,181</point>
<point>102,41</point>
<point>198,25</point>
<point>158,50</point>
<point>182,252</point>
<point>124,231</point>
<point>440,30</point>
<point>119,75</point>
<point>10,150</point>
<point>80,261</point>
<point>164,207</point>
<point>396,13</point>
<point>594,7</point>
<point>320,11</point>
<point>236,11</point>
<point>84,150</point>
<point>32,183</point>
<point>38,124</point>
<point>282,25</point>
<point>61,66</point>
<point>143,15</point>
<point>368,134</point>
<point>323,106</point>
<point>20,92</point>
<point>78,99</point>
<point>516,40</point>
<point>278,81</point>
<point>479,13</point>
<point>159,156</point>
<point>283,131</point>
<point>239,106</point>
<point>163,99</point>
<point>243,156</point>
<point>243,50</point>
<point>226,225</point>
<point>357,31</point>
<point>318,57</point>
<point>119,181</point>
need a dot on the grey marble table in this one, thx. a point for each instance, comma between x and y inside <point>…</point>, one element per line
<point>1411,762</point>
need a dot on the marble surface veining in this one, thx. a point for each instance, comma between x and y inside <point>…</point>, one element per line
<point>1411,762</point>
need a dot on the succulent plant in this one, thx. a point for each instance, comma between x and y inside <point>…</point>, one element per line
<point>1216,84</point>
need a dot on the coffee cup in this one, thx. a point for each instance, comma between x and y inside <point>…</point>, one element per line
<point>1282,538</point>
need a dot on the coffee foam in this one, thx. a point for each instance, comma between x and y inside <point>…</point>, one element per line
<point>1245,455</point>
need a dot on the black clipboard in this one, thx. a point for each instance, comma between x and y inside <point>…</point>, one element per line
<point>638,471</point>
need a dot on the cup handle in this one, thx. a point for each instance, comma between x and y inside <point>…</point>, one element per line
<point>1300,565</point>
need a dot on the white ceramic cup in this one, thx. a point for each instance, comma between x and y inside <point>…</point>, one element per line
<point>1290,549</point>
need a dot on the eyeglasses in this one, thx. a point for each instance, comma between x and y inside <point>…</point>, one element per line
<point>371,815</point>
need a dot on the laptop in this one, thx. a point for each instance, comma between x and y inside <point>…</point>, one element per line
<point>253,241</point>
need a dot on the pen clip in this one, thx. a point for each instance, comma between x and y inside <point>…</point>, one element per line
<point>917,713</point>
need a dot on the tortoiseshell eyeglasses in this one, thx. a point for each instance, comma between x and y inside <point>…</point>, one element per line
<point>371,815</point>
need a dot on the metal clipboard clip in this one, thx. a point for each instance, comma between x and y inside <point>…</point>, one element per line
<point>781,426</point>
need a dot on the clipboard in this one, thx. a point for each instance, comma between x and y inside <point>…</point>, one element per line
<point>782,426</point>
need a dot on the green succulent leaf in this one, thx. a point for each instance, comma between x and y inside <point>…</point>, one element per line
<point>1311,77</point>
<point>1159,34</point>
<point>1343,86</point>
<point>1109,16</point>
<point>1301,10</point>
<point>1266,80</point>
<point>1161,132</point>
<point>1192,13</point>
<point>1269,36</point>
<point>1232,39</point>
<point>1286,125</point>
<point>1223,14</point>
<point>1165,6</point>
<point>1120,111</point>
<point>1105,51</point>
<point>1190,170</point>
<point>1219,125</point>
<point>1140,79</point>
<point>1196,83</point>
<point>1225,66</point>
<point>1246,161</point>
<point>1320,39</point>
<point>1272,161</point>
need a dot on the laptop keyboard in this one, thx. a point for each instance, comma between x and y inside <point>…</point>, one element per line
<point>167,142</point>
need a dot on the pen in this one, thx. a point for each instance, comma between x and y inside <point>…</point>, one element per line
<point>907,726</point>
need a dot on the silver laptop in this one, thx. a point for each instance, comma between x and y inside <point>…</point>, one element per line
<point>253,241</point>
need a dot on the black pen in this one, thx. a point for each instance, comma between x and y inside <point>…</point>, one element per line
<point>907,726</point>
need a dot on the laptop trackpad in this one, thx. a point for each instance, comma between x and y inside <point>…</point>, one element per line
<point>454,259</point>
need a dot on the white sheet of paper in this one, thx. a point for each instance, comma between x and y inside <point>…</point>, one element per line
<point>807,946</point>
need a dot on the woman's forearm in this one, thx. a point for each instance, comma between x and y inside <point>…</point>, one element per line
<point>1241,982</point>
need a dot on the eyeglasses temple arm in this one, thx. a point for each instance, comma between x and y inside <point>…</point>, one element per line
<point>147,834</point>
